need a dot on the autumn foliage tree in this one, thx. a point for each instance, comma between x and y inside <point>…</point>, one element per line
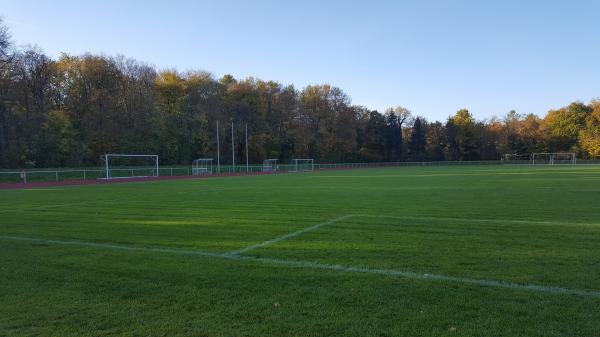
<point>69,111</point>
<point>589,136</point>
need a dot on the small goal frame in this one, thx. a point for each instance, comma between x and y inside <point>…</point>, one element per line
<point>202,167</point>
<point>269,165</point>
<point>107,169</point>
<point>302,165</point>
<point>516,158</point>
<point>571,158</point>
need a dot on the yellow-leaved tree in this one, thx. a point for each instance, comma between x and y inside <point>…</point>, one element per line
<point>589,138</point>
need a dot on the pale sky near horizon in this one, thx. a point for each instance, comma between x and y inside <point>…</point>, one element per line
<point>432,57</point>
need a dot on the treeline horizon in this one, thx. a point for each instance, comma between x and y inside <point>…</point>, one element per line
<point>71,110</point>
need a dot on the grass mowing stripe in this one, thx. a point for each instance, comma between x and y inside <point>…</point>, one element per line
<point>322,266</point>
<point>289,235</point>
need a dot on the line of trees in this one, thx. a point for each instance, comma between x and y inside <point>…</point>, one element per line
<point>69,111</point>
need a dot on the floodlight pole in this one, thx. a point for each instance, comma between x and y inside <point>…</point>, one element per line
<point>218,150</point>
<point>247,168</point>
<point>232,148</point>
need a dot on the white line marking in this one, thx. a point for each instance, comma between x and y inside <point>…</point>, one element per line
<point>321,266</point>
<point>475,220</point>
<point>289,235</point>
<point>45,207</point>
<point>487,173</point>
<point>111,246</point>
<point>329,222</point>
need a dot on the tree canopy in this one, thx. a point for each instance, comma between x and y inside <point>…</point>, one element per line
<point>68,111</point>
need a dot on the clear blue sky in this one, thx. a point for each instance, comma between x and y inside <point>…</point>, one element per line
<point>432,57</point>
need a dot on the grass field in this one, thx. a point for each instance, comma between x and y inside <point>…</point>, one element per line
<point>414,251</point>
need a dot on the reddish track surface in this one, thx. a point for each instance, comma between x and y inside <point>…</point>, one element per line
<point>115,181</point>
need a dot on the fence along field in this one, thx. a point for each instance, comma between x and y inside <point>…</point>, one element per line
<point>94,173</point>
<point>463,250</point>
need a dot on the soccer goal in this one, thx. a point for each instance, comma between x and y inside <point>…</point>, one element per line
<point>553,158</point>
<point>513,158</point>
<point>302,165</point>
<point>269,165</point>
<point>118,165</point>
<point>202,167</point>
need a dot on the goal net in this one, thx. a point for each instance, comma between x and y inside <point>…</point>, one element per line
<point>269,165</point>
<point>302,165</point>
<point>553,158</point>
<point>129,166</point>
<point>513,158</point>
<point>202,167</point>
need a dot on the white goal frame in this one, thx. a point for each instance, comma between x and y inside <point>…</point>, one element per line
<point>303,165</point>
<point>202,167</point>
<point>572,159</point>
<point>107,169</point>
<point>515,158</point>
<point>269,165</point>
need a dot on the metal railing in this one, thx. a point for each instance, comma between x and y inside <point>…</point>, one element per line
<point>57,175</point>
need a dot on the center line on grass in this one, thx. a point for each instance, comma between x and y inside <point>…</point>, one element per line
<point>290,235</point>
<point>321,266</point>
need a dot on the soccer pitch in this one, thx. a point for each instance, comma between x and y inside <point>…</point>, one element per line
<point>412,251</point>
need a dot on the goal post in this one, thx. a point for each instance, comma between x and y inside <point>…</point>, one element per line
<point>202,167</point>
<point>269,165</point>
<point>302,165</point>
<point>553,158</point>
<point>117,165</point>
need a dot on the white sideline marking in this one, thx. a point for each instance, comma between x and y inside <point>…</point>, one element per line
<point>499,221</point>
<point>44,207</point>
<point>321,266</point>
<point>487,173</point>
<point>290,235</point>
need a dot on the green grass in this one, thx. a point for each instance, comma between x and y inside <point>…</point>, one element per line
<point>154,258</point>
